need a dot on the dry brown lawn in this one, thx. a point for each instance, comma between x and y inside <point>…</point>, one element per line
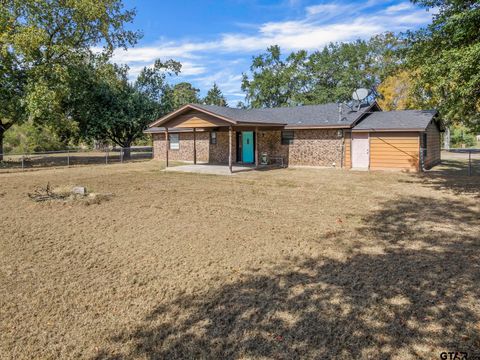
<point>281,264</point>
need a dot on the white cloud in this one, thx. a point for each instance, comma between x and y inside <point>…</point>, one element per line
<point>188,69</point>
<point>309,33</point>
<point>321,24</point>
<point>322,9</point>
<point>399,7</point>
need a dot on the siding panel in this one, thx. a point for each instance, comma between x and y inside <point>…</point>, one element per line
<point>433,146</point>
<point>195,119</point>
<point>394,151</point>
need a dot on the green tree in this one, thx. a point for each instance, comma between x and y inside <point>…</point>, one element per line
<point>340,68</point>
<point>109,107</point>
<point>215,97</point>
<point>241,105</point>
<point>327,75</point>
<point>183,93</point>
<point>39,41</point>
<point>28,137</point>
<point>275,81</point>
<point>446,58</point>
<point>462,137</point>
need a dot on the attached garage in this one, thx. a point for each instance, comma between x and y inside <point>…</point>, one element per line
<point>398,140</point>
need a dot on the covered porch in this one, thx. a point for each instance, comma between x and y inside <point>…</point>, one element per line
<point>214,138</point>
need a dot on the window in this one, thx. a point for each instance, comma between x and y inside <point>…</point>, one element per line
<point>213,137</point>
<point>424,144</point>
<point>174,141</point>
<point>287,137</point>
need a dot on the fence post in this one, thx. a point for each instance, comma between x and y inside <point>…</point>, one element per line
<point>106,157</point>
<point>470,163</point>
<point>68,157</point>
<point>23,162</point>
<point>121,155</point>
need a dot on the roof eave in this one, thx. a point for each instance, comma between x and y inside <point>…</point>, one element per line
<point>171,130</point>
<point>389,130</point>
<point>308,127</point>
<point>184,108</point>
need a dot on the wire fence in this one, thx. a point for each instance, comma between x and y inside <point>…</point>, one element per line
<point>464,161</point>
<point>75,157</point>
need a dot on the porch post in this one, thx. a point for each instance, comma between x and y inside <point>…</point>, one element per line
<point>230,148</point>
<point>194,147</point>
<point>256,147</point>
<point>167,145</point>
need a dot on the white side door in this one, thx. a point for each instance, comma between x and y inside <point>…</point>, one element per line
<point>360,150</point>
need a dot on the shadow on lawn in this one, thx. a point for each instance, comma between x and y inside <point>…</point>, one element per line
<point>413,298</point>
<point>453,175</point>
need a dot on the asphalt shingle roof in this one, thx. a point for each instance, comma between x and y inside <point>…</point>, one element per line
<point>317,115</point>
<point>397,120</point>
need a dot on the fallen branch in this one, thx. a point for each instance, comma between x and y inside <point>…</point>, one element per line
<point>45,193</point>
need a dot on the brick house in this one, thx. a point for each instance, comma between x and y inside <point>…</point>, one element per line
<point>328,135</point>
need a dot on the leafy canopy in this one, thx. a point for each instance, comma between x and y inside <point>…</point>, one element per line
<point>327,75</point>
<point>446,58</point>
<point>109,107</point>
<point>40,41</point>
<point>215,97</point>
<point>183,93</point>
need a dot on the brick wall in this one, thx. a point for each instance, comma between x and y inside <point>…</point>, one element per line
<point>218,153</point>
<point>185,152</point>
<point>316,148</point>
<point>270,142</point>
<point>310,147</point>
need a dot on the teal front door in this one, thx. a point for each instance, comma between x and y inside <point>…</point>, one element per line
<point>247,147</point>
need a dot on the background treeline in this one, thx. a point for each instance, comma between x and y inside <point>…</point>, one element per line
<point>55,91</point>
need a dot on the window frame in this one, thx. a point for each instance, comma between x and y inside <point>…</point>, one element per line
<point>213,138</point>
<point>176,144</point>
<point>287,140</point>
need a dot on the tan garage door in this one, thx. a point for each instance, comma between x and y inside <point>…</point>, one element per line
<point>395,150</point>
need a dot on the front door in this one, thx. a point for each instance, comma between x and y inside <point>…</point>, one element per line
<point>360,151</point>
<point>247,147</point>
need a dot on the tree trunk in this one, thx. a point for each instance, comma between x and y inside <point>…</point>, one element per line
<point>126,152</point>
<point>446,138</point>
<point>2,132</point>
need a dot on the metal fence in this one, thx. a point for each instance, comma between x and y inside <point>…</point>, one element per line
<point>74,157</point>
<point>465,161</point>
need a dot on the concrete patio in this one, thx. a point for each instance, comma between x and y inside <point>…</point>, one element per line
<point>210,169</point>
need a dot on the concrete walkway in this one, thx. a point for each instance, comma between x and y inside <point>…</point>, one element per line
<point>210,169</point>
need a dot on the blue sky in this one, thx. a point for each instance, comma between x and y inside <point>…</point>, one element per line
<point>215,40</point>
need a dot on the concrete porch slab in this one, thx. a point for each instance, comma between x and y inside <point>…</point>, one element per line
<point>209,169</point>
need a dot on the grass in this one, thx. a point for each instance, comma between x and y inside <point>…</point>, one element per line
<point>281,264</point>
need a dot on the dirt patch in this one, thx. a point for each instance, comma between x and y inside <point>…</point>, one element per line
<point>71,194</point>
<point>293,263</point>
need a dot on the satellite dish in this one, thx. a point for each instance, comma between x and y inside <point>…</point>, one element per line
<point>360,94</point>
